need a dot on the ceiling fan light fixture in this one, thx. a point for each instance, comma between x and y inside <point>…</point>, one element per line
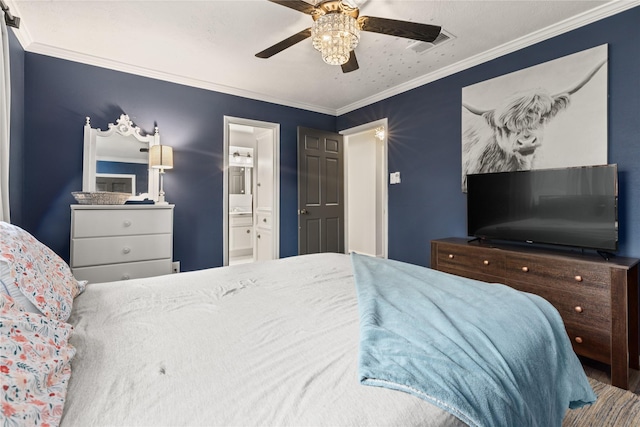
<point>335,35</point>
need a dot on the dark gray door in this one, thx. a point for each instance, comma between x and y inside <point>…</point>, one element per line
<point>320,191</point>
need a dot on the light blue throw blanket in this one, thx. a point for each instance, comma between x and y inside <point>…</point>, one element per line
<point>488,354</point>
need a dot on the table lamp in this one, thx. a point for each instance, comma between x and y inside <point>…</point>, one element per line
<point>161,157</point>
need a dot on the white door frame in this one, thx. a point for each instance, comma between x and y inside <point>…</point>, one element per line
<point>275,225</point>
<point>370,127</point>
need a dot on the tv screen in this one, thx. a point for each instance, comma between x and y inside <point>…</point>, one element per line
<point>572,206</point>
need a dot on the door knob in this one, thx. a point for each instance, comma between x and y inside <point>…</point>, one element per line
<point>303,212</point>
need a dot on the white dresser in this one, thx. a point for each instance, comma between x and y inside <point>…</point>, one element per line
<point>120,242</point>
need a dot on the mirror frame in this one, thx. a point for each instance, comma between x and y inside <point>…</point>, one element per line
<point>125,127</point>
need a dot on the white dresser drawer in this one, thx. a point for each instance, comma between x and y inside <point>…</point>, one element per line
<point>125,271</point>
<point>264,220</point>
<point>109,250</point>
<point>120,222</point>
<point>241,219</point>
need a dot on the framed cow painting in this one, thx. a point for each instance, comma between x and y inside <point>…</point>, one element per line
<point>547,116</point>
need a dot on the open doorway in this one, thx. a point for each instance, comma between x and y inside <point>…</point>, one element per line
<point>251,195</point>
<point>366,189</point>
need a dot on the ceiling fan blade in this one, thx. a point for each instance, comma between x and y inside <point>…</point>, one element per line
<point>288,42</point>
<point>351,64</point>
<point>409,30</point>
<point>298,5</point>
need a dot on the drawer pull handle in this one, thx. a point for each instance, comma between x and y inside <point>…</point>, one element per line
<point>264,219</point>
<point>578,309</point>
<point>126,250</point>
<point>578,278</point>
<point>578,340</point>
<point>125,277</point>
<point>127,223</point>
<point>485,262</point>
<point>258,236</point>
<point>451,256</point>
<point>248,231</point>
<point>525,269</point>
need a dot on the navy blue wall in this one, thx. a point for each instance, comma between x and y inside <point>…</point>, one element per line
<point>424,144</point>
<point>425,138</point>
<point>58,96</point>
<point>16,149</point>
<point>140,170</point>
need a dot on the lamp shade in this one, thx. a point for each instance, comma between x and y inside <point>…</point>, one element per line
<point>161,157</point>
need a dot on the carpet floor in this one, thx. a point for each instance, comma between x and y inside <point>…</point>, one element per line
<point>615,407</point>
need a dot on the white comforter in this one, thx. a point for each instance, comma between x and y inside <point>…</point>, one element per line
<point>271,343</point>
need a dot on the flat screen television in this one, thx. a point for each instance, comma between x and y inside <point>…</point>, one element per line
<point>575,206</point>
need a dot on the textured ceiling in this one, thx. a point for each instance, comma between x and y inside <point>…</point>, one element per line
<point>211,44</point>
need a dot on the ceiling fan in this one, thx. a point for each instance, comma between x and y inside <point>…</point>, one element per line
<point>336,31</point>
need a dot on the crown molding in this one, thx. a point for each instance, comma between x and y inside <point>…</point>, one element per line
<point>596,14</point>
<point>83,58</point>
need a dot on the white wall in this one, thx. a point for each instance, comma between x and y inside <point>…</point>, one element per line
<point>242,136</point>
<point>381,183</point>
<point>365,194</point>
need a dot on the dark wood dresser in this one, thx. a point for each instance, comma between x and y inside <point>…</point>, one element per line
<point>597,299</point>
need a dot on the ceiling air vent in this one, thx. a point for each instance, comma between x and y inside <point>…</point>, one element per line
<point>421,47</point>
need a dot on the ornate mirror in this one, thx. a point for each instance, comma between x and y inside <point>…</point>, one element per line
<point>117,159</point>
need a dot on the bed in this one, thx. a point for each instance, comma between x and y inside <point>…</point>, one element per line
<point>297,341</point>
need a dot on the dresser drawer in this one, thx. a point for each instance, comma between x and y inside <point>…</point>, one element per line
<point>241,219</point>
<point>264,220</point>
<point>475,275</point>
<point>592,343</point>
<point>582,308</point>
<point>125,271</point>
<point>477,261</point>
<point>108,250</point>
<point>121,222</point>
<point>573,276</point>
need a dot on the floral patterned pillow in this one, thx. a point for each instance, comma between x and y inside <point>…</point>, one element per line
<point>9,306</point>
<point>35,366</point>
<point>8,287</point>
<point>42,276</point>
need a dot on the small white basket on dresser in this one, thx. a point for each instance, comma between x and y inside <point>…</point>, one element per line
<point>120,242</point>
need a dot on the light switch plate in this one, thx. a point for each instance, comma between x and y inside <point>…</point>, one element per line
<point>394,178</point>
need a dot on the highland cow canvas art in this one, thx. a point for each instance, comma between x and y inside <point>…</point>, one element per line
<point>547,116</point>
